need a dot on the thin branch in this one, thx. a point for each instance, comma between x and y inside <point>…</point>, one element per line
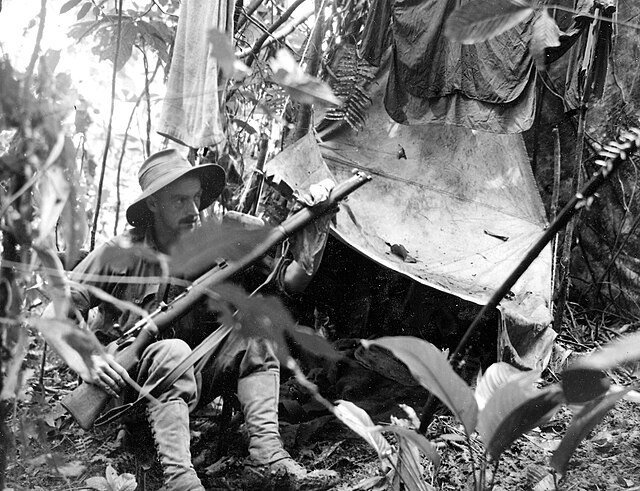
<point>36,51</point>
<point>260,42</point>
<point>109,127</point>
<point>248,12</point>
<point>124,145</point>
<point>161,9</point>
<point>278,36</point>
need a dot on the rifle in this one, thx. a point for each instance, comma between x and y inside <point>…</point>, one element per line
<point>87,401</point>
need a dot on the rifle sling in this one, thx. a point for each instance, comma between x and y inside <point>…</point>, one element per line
<point>202,352</point>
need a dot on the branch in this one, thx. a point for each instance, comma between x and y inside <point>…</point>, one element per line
<point>277,36</point>
<point>253,6</point>
<point>124,143</point>
<point>260,42</point>
<point>109,127</point>
<point>36,50</point>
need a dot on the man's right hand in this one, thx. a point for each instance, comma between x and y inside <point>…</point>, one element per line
<point>107,374</point>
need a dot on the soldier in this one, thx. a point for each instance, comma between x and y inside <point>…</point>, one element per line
<point>173,194</point>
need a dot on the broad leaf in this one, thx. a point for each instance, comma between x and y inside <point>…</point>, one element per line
<point>416,439</point>
<point>408,468</point>
<point>54,191</point>
<point>546,34</point>
<point>222,50</point>
<point>123,255</point>
<point>583,384</point>
<point>84,10</point>
<point>243,125</point>
<point>98,483</point>
<point>196,252</point>
<point>71,469</point>
<point>122,482</point>
<point>310,342</point>
<point>480,20</point>
<point>300,86</point>
<point>497,375</point>
<point>515,409</point>
<point>75,346</point>
<point>624,349</point>
<point>431,368</point>
<point>360,422</point>
<point>581,425</point>
<point>73,220</point>
<point>69,5</point>
<point>262,317</point>
<point>54,273</point>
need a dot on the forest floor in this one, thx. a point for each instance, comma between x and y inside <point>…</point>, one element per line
<point>51,452</point>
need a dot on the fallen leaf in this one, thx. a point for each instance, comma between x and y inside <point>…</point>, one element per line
<point>300,86</point>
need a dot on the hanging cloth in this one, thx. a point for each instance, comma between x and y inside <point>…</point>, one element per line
<point>191,112</point>
<point>488,86</point>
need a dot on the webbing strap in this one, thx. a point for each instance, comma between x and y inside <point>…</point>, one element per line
<point>206,348</point>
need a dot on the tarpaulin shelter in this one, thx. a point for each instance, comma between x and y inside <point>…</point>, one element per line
<point>463,204</point>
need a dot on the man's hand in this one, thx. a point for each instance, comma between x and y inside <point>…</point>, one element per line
<point>307,246</point>
<point>107,374</point>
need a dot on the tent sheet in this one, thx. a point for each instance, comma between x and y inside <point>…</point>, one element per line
<point>463,204</point>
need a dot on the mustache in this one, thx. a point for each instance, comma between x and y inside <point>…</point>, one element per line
<point>189,220</point>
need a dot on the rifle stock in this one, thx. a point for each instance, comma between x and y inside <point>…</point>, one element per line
<point>87,401</point>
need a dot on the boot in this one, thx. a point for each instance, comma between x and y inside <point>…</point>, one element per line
<point>269,465</point>
<point>170,427</point>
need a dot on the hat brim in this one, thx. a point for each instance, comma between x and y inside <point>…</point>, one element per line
<point>212,178</point>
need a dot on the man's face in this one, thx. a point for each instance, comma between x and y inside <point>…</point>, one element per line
<point>175,207</point>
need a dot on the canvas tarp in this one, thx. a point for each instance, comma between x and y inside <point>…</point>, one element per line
<point>463,204</point>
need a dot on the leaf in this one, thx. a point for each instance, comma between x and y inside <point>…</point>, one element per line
<point>546,34</point>
<point>98,483</point>
<point>122,255</point>
<point>624,349</point>
<point>107,39</point>
<point>263,317</point>
<point>58,291</point>
<point>408,468</point>
<point>71,469</point>
<point>69,5</point>
<point>515,409</point>
<point>583,384</point>
<point>360,422</point>
<point>84,10</point>
<point>431,368</point>
<point>73,220</point>
<point>196,252</point>
<point>581,425</point>
<point>75,345</point>
<point>222,51</point>
<point>122,482</point>
<point>402,252</point>
<point>244,126</point>
<point>480,20</point>
<point>300,86</point>
<point>311,342</point>
<point>54,190</point>
<point>418,440</point>
<point>496,376</point>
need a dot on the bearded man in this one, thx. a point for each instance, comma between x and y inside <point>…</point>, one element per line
<point>173,194</point>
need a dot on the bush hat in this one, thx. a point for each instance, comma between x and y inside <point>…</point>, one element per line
<point>163,168</point>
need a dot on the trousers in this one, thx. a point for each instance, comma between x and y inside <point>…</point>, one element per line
<point>238,357</point>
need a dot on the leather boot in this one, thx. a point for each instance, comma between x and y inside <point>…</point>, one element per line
<point>269,465</point>
<point>170,427</point>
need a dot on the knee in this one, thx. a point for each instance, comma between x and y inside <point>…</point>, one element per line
<point>168,351</point>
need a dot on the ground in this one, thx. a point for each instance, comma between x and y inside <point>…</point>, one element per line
<point>51,452</point>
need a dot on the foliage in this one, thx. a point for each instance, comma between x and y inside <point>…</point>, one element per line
<point>510,402</point>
